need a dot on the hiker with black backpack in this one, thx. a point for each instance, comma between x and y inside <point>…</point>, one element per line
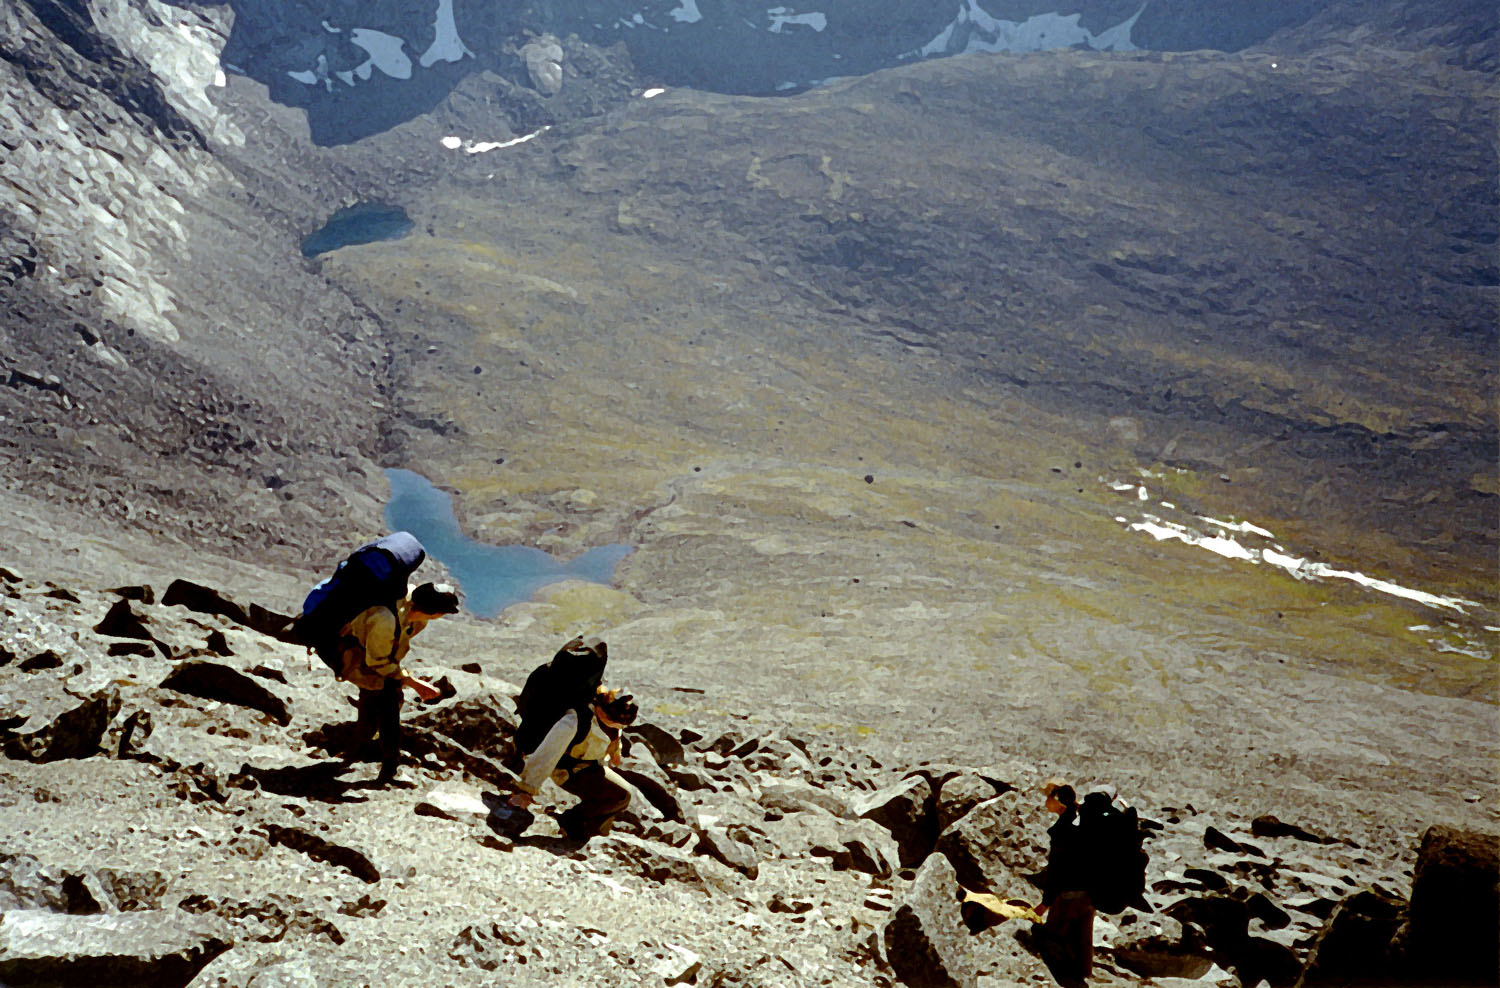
<point>1095,864</point>
<point>1068,934</point>
<point>360,622</point>
<point>570,727</point>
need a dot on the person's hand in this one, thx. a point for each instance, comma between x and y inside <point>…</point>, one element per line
<point>424,689</point>
<point>521,799</point>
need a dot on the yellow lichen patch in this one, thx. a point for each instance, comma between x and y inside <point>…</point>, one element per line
<point>577,608</point>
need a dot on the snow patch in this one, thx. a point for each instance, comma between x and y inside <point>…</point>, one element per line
<point>976,30</point>
<point>687,12</point>
<point>782,16</point>
<point>385,52</point>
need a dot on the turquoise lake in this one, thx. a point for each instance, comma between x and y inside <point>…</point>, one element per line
<point>491,577</point>
<point>362,223</point>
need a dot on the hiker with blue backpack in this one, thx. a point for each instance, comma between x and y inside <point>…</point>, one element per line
<point>374,643</point>
<point>360,622</point>
<point>570,728</point>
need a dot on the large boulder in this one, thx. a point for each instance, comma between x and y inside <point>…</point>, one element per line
<point>908,810</point>
<point>215,681</point>
<point>997,844</point>
<point>1453,929</point>
<point>141,948</point>
<point>1354,946</point>
<point>74,733</point>
<point>926,941</point>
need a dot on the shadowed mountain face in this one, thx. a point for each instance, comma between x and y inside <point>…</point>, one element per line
<point>361,68</point>
<point>1123,415</point>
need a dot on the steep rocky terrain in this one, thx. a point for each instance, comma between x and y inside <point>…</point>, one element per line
<point>921,398</point>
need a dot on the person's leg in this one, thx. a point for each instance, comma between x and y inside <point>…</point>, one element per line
<point>1070,934</point>
<point>366,721</point>
<point>389,703</point>
<point>601,794</point>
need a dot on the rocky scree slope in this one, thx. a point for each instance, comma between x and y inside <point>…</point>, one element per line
<point>226,845</point>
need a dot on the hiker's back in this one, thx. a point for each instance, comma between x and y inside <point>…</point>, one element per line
<point>374,574</point>
<point>567,682</point>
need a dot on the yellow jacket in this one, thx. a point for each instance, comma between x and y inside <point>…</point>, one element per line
<point>375,642</point>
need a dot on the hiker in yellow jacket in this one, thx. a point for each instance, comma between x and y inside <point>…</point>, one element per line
<point>372,646</point>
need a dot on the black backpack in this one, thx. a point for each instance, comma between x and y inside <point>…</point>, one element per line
<point>1116,861</point>
<point>374,574</point>
<point>568,682</point>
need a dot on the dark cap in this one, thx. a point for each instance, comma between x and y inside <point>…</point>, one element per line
<point>430,598</point>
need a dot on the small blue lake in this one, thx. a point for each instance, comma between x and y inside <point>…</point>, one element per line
<point>362,223</point>
<point>492,577</point>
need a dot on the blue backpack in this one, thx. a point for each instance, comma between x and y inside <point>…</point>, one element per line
<point>374,574</point>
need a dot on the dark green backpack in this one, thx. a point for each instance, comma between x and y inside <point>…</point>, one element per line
<point>1111,838</point>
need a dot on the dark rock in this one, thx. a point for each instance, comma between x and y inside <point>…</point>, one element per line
<point>926,940</point>
<point>140,948</point>
<point>654,789</point>
<point>1271,916</point>
<point>1216,840</point>
<point>6,656</point>
<point>79,898</point>
<point>908,810</point>
<point>47,659</point>
<point>666,749</point>
<point>1165,957</point>
<point>718,845</point>
<point>214,681</point>
<point>1269,826</point>
<point>26,884</point>
<point>75,733</point>
<point>870,848</point>
<point>142,649</point>
<point>1313,905</point>
<point>121,621</point>
<point>218,644</point>
<point>1354,946</point>
<point>269,622</point>
<point>1225,921</point>
<point>141,592</point>
<point>997,843</point>
<point>62,593</point>
<point>266,672</point>
<point>792,795</point>
<point>690,777</point>
<point>724,743</point>
<point>135,729</point>
<point>456,755</point>
<point>481,723</point>
<point>1206,880</point>
<point>1454,920</point>
<point>321,849</point>
<point>204,600</point>
<point>7,576</point>
<point>659,863</point>
<point>1265,960</point>
<point>471,667</point>
<point>960,793</point>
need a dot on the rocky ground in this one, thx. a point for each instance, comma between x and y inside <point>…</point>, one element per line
<point>878,381</point>
<point>179,816</point>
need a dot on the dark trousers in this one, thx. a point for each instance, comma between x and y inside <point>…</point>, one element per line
<point>1070,935</point>
<point>601,794</point>
<point>380,710</point>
